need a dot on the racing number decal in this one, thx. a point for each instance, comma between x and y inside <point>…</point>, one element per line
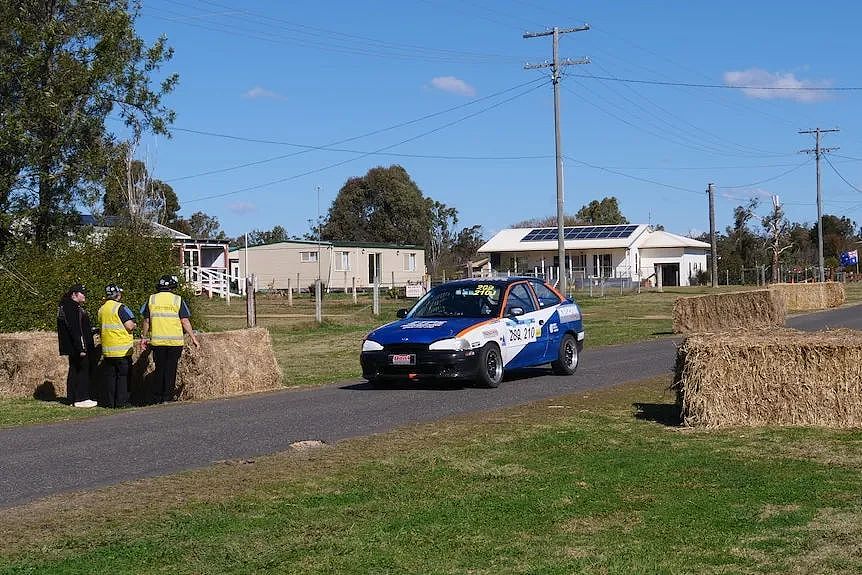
<point>523,334</point>
<point>485,289</point>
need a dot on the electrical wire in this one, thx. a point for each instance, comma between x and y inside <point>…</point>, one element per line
<point>329,166</point>
<point>781,175</point>
<point>723,86</point>
<point>308,148</point>
<point>834,169</point>
<point>623,174</point>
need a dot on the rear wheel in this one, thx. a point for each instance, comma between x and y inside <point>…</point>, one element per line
<point>490,366</point>
<point>567,359</point>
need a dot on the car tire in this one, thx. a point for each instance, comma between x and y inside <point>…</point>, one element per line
<point>490,372</point>
<point>568,356</point>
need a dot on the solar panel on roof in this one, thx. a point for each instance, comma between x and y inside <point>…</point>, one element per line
<point>581,232</point>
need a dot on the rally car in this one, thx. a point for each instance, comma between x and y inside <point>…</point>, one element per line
<point>474,329</point>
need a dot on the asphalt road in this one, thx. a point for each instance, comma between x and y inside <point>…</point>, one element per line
<point>40,460</point>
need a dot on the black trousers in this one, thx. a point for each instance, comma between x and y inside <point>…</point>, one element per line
<point>167,358</point>
<point>78,380</point>
<point>115,371</point>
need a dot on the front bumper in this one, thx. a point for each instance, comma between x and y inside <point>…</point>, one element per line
<point>429,365</point>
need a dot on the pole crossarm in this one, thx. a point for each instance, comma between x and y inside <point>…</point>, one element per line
<point>564,62</point>
<point>550,32</point>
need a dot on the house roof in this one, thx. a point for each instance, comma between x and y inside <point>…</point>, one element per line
<point>115,221</point>
<point>586,238</point>
<point>335,244</point>
<point>663,239</point>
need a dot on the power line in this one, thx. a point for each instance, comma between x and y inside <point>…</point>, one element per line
<point>328,147</point>
<point>840,176</point>
<point>757,183</point>
<point>722,86</point>
<point>638,178</point>
<point>327,167</point>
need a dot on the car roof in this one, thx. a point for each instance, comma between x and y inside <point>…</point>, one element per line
<point>494,281</point>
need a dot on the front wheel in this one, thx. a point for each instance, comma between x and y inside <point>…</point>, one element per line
<point>567,360</point>
<point>490,366</point>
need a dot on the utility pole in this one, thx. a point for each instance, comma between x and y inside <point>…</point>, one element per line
<point>712,247</point>
<point>555,66</point>
<point>818,151</point>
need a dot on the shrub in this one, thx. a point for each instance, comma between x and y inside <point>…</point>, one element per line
<point>33,278</point>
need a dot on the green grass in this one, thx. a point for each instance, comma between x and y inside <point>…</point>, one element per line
<point>574,485</point>
<point>25,411</point>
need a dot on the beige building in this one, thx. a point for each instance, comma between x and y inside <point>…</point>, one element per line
<point>340,265</point>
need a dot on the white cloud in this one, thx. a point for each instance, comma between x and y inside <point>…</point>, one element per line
<point>242,208</point>
<point>777,85</point>
<point>453,85</point>
<point>259,92</point>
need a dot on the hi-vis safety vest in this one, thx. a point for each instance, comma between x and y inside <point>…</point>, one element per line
<point>116,340</point>
<point>165,325</point>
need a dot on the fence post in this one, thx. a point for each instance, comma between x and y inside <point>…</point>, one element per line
<point>375,306</point>
<point>318,300</point>
<point>290,293</point>
<point>345,282</point>
<point>659,276</point>
<point>250,309</point>
<point>354,290</point>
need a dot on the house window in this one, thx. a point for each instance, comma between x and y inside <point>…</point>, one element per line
<point>410,262</point>
<point>307,257</point>
<point>602,265</point>
<point>342,261</point>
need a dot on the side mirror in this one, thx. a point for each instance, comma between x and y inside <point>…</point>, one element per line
<point>516,311</point>
<point>401,313</point>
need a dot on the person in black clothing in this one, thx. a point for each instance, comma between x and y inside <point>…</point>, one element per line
<point>75,336</point>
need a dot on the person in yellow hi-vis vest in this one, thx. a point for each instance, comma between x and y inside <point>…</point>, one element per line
<point>117,322</point>
<point>166,316</point>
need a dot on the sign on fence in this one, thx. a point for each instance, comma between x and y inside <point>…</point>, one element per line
<point>414,290</point>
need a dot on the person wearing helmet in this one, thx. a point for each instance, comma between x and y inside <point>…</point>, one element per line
<point>168,316</point>
<point>75,337</point>
<point>117,322</point>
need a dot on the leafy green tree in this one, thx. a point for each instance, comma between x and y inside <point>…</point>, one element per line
<point>548,222</point>
<point>604,212</point>
<point>65,65</point>
<point>467,244</point>
<point>202,226</point>
<point>260,237</point>
<point>384,205</point>
<point>838,235</point>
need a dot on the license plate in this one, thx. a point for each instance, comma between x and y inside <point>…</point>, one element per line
<point>403,359</point>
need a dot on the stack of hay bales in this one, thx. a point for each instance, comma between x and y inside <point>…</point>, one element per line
<point>771,377</point>
<point>30,365</point>
<point>810,296</point>
<point>739,310</point>
<point>227,363</point>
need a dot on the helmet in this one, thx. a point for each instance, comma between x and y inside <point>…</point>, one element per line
<point>112,291</point>
<point>167,283</point>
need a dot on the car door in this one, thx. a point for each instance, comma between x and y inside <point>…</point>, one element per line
<point>523,344</point>
<point>548,301</point>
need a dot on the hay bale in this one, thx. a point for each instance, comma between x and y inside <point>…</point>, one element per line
<point>30,365</point>
<point>810,296</point>
<point>738,310</point>
<point>771,377</point>
<point>227,363</point>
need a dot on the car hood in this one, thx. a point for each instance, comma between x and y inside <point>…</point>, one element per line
<point>422,330</point>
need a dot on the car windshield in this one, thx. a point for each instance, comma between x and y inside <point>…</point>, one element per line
<point>458,300</point>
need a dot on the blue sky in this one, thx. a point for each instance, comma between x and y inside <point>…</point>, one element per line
<point>440,87</point>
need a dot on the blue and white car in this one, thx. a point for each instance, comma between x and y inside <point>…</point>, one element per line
<point>475,329</point>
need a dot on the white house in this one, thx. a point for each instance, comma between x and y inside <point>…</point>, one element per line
<point>339,265</point>
<point>635,253</point>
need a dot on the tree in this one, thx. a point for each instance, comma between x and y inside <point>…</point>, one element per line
<point>131,192</point>
<point>604,212</point>
<point>443,219</point>
<point>838,235</point>
<point>467,244</point>
<point>65,65</point>
<point>384,205</point>
<point>548,222</point>
<point>777,237</point>
<point>261,237</point>
<point>200,225</point>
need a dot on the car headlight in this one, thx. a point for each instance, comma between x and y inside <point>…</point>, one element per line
<point>371,345</point>
<point>453,344</point>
